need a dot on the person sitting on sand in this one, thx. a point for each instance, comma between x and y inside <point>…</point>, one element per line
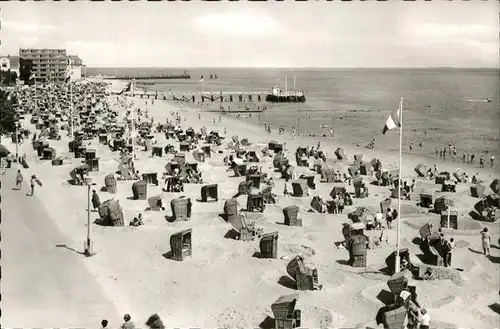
<point>137,221</point>
<point>404,265</point>
<point>128,323</point>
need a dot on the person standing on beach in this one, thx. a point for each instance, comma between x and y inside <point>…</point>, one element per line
<point>472,158</point>
<point>454,154</point>
<point>437,152</point>
<point>492,161</point>
<point>486,241</point>
<point>481,161</point>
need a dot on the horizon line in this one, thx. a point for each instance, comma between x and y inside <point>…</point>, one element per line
<point>298,67</point>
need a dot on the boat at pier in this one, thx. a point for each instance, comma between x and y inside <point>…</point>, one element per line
<point>279,96</point>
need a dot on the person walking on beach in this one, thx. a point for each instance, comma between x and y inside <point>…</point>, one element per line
<point>472,158</point>
<point>33,181</point>
<point>19,180</point>
<point>486,241</point>
<point>96,201</point>
<point>389,218</point>
<point>454,154</point>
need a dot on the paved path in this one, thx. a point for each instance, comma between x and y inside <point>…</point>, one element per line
<point>43,285</point>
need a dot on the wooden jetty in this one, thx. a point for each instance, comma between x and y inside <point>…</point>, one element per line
<point>207,96</point>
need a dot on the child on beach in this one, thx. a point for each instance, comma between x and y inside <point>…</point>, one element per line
<point>19,180</point>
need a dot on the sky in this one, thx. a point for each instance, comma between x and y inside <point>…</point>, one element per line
<point>259,34</point>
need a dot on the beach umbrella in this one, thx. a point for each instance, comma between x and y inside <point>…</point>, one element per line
<point>3,151</point>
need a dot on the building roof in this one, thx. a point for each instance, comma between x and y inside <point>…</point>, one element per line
<point>76,60</point>
<point>14,61</point>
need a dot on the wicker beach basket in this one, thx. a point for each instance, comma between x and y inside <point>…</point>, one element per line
<point>395,319</point>
<point>140,190</point>
<point>181,208</point>
<point>110,183</point>
<point>291,216</point>
<point>231,209</point>
<point>300,188</point>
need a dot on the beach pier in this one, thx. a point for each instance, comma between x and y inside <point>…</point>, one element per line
<point>207,96</point>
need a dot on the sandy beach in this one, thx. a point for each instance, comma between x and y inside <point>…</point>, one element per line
<point>222,285</point>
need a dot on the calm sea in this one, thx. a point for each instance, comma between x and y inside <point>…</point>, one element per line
<point>441,106</point>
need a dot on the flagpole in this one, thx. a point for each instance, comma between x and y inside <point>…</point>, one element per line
<point>298,113</point>
<point>398,236</point>
<point>286,84</point>
<point>71,100</point>
<point>133,117</point>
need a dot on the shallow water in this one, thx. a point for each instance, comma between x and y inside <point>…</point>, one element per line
<point>356,102</point>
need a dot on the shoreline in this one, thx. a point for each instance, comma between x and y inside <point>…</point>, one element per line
<point>350,149</point>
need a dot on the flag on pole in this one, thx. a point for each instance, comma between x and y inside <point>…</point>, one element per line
<point>281,78</point>
<point>393,121</point>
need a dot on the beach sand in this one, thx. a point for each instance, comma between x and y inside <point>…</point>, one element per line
<point>223,285</point>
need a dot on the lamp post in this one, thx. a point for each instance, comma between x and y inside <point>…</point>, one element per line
<point>88,244</point>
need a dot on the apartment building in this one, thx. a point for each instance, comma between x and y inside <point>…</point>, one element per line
<point>48,64</point>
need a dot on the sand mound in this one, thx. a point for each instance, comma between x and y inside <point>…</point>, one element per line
<point>330,278</point>
<point>443,301</point>
<point>461,244</point>
<point>232,318</point>
<point>292,250</point>
<point>316,317</point>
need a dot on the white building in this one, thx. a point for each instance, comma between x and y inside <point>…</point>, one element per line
<point>77,67</point>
